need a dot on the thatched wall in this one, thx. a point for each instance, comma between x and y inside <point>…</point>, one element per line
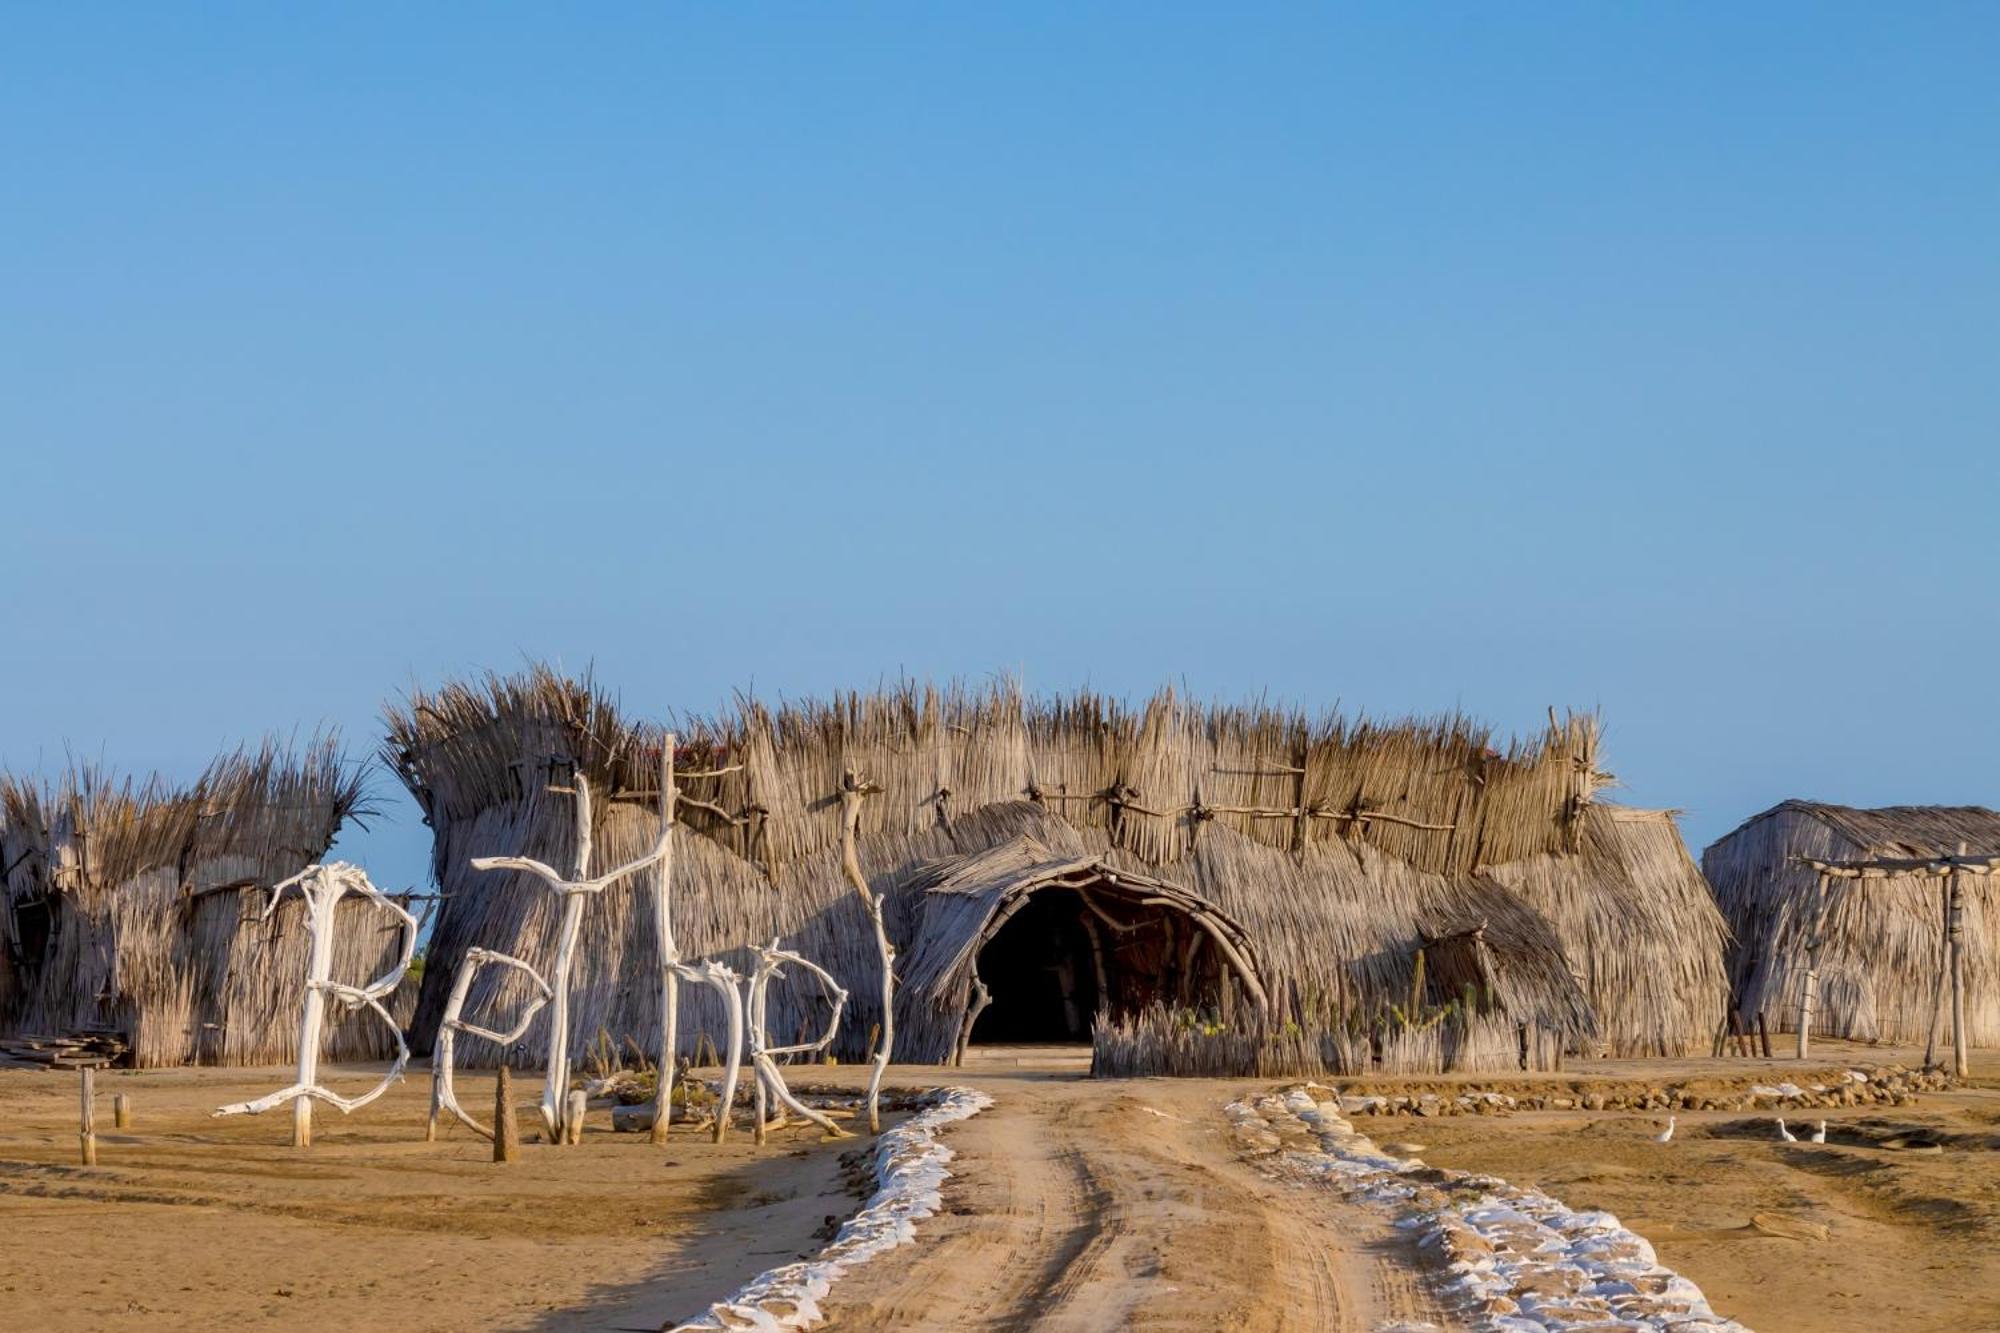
<point>1640,927</point>
<point>1881,938</point>
<point>137,907</point>
<point>1334,906</point>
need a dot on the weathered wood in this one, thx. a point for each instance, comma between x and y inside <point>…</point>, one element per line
<point>724,981</point>
<point>573,891</point>
<point>576,1107</point>
<point>1943,972</point>
<point>121,1111</point>
<point>670,954</point>
<point>1763,1034</point>
<point>763,1056</point>
<point>852,789</point>
<point>444,1096</point>
<point>1893,867</point>
<point>322,887</point>
<point>1810,997</point>
<point>1959,1062</point>
<point>87,1130</point>
<point>506,1135</point>
<point>981,997</point>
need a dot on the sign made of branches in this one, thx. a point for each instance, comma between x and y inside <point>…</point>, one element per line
<point>573,890</point>
<point>444,1095</point>
<point>322,887</point>
<point>763,1055</point>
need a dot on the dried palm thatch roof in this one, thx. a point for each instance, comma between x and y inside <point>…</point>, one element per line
<point>1329,848</point>
<point>1433,792</point>
<point>1881,938</point>
<point>1639,926</point>
<point>135,906</point>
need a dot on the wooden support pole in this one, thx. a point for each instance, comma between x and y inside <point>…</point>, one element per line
<point>1943,971</point>
<point>578,1107</point>
<point>87,1132</point>
<point>506,1136</point>
<point>1957,937</point>
<point>1763,1034</point>
<point>1809,1001</point>
<point>121,1111</point>
<point>852,788</point>
<point>663,928</point>
<point>319,970</point>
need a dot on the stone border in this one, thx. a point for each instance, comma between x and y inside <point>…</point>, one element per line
<point>909,1171</point>
<point>1515,1260</point>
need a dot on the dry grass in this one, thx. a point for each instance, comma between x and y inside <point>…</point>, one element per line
<point>1332,907</point>
<point>135,905</point>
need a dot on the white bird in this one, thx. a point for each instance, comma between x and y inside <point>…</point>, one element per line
<point>1819,1135</point>
<point>1666,1135</point>
<point>1784,1133</point>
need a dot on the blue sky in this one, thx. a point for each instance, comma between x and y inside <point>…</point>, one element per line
<point>1642,358</point>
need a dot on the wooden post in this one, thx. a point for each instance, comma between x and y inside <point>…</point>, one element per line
<point>1810,1000</point>
<point>852,789</point>
<point>555,1083</point>
<point>755,1033</point>
<point>506,1136</point>
<point>319,970</point>
<point>663,929</point>
<point>1943,971</point>
<point>121,1111</point>
<point>87,1135</point>
<point>1956,935</point>
<point>1763,1034</point>
<point>578,1107</point>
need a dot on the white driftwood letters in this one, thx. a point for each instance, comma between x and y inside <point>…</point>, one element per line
<point>573,891</point>
<point>322,887</point>
<point>763,1056</point>
<point>444,1096</point>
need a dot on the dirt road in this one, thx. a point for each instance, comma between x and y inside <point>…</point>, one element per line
<point>1078,1205</point>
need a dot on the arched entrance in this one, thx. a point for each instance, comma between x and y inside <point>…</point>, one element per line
<point>1016,944</point>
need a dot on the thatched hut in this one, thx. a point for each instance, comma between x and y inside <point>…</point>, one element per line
<point>137,908</point>
<point>1639,926</point>
<point>1069,856</point>
<point>1881,938</point>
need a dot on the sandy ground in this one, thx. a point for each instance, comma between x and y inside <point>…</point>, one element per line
<point>1073,1205</point>
<point>1079,1205</point>
<point>1912,1234</point>
<point>193,1223</point>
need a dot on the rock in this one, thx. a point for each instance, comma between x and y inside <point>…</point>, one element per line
<point>1593,1101</point>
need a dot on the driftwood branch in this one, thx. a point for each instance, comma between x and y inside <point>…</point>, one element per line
<point>444,1096</point>
<point>322,887</point>
<point>852,789</point>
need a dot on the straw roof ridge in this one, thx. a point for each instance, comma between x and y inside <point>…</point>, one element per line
<point>276,795</point>
<point>1434,790</point>
<point>1911,830</point>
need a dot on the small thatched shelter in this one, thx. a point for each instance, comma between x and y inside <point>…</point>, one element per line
<point>1639,926</point>
<point>136,908</point>
<point>1881,938</point>
<point>1072,855</point>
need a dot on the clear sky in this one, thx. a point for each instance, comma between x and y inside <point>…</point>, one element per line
<point>1410,357</point>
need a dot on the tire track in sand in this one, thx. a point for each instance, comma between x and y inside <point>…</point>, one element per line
<point>1077,1205</point>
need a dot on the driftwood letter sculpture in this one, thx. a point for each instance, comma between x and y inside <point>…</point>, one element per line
<point>763,1056</point>
<point>852,789</point>
<point>725,983</point>
<point>322,887</point>
<point>444,1096</point>
<point>573,890</point>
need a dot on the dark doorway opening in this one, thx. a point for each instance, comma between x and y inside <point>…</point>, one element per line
<point>1040,971</point>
